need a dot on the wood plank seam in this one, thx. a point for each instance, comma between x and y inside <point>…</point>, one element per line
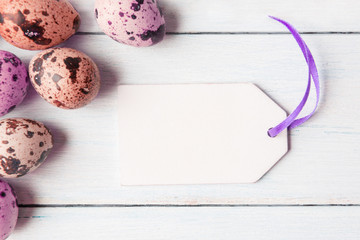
<point>238,33</point>
<point>178,205</point>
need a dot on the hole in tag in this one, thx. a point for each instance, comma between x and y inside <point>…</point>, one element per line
<point>268,132</point>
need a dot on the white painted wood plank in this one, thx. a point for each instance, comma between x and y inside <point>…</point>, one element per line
<point>322,166</point>
<point>246,15</point>
<point>331,223</point>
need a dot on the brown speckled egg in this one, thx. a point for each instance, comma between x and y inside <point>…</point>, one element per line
<point>37,24</point>
<point>65,77</point>
<point>24,145</point>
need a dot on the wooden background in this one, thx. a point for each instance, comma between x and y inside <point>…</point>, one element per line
<point>312,193</point>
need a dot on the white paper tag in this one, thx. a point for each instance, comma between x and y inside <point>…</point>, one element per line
<point>197,134</point>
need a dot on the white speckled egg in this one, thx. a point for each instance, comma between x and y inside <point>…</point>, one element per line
<point>65,77</point>
<point>137,23</point>
<point>24,145</point>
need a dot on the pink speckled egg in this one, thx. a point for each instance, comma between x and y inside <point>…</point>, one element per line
<point>134,22</point>
<point>37,24</point>
<point>65,77</point>
<point>9,210</point>
<point>24,145</point>
<point>14,82</point>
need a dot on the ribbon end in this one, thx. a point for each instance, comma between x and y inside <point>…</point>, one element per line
<point>275,18</point>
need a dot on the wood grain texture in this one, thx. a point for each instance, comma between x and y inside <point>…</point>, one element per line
<point>210,44</point>
<point>246,15</point>
<point>189,223</point>
<point>322,166</point>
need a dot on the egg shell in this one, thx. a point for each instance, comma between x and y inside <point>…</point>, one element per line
<point>24,145</point>
<point>65,77</point>
<point>37,24</point>
<point>14,82</point>
<point>9,210</point>
<point>134,22</point>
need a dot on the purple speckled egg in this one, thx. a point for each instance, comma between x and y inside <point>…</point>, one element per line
<point>9,210</point>
<point>134,22</point>
<point>14,82</point>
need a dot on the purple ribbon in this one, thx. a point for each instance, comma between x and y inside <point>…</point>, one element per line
<point>291,122</point>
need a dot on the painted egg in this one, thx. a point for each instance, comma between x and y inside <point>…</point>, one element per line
<point>14,82</point>
<point>9,210</point>
<point>24,145</point>
<point>65,77</point>
<point>37,24</point>
<point>134,22</point>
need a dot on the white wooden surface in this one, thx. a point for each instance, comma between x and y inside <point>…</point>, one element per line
<point>322,168</point>
<point>213,223</point>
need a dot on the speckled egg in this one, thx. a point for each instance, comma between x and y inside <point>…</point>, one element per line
<point>134,22</point>
<point>24,145</point>
<point>65,77</point>
<point>9,210</point>
<point>14,82</point>
<point>37,24</point>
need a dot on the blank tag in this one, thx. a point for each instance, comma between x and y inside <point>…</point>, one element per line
<point>197,134</point>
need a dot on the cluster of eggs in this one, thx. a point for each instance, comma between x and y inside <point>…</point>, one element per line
<point>64,77</point>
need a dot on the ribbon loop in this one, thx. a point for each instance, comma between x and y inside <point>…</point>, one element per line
<point>291,122</point>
